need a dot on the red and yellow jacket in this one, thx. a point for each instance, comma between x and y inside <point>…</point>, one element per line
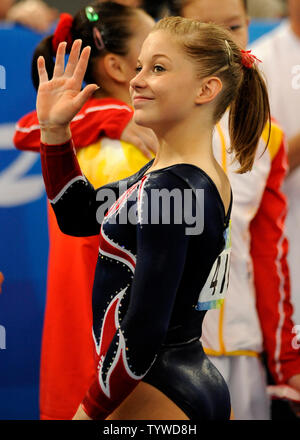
<point>257,312</point>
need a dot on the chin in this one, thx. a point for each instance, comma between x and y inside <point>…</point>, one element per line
<point>142,120</point>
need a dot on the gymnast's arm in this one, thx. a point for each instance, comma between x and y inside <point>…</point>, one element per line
<point>74,200</point>
<point>58,101</point>
<point>126,356</point>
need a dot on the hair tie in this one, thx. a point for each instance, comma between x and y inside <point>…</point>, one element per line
<point>92,17</point>
<point>91,14</point>
<point>98,40</point>
<point>63,32</point>
<point>248,59</point>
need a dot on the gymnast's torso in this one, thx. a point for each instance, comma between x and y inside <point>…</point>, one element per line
<point>164,256</point>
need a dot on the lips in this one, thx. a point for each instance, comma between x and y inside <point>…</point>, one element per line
<point>141,98</point>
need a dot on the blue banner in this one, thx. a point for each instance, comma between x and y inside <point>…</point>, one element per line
<point>23,234</point>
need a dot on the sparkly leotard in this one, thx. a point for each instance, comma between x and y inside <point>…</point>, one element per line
<point>163,262</point>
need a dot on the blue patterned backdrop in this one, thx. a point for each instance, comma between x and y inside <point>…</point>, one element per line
<point>23,235</point>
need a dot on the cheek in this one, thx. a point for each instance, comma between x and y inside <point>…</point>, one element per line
<point>243,38</point>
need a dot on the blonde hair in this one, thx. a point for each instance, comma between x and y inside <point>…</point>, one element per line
<point>215,54</point>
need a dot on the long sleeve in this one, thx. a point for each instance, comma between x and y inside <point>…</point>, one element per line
<point>97,118</point>
<point>269,249</point>
<point>71,196</point>
<point>128,346</point>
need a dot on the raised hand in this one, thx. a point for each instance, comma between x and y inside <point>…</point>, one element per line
<point>60,98</point>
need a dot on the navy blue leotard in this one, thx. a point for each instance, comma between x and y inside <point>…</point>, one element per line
<point>163,262</point>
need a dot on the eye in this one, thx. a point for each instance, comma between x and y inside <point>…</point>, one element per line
<point>138,69</point>
<point>158,68</point>
<point>235,27</point>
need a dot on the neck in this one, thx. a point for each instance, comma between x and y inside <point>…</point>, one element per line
<point>185,144</point>
<point>113,91</point>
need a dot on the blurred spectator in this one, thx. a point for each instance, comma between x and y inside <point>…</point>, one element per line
<point>34,14</point>
<point>280,52</point>
<point>266,9</point>
<point>5,5</point>
<point>155,8</point>
<point>256,315</point>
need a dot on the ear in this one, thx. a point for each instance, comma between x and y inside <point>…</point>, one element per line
<point>208,90</point>
<point>114,66</point>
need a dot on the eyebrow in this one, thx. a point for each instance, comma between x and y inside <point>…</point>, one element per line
<point>234,17</point>
<point>157,55</point>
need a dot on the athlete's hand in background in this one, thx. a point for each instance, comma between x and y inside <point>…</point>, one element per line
<point>60,99</point>
<point>141,137</point>
<point>294,382</point>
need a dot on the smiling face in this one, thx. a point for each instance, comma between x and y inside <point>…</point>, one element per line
<point>164,76</point>
<point>228,13</point>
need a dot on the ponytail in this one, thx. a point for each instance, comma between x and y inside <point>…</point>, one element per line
<point>249,113</point>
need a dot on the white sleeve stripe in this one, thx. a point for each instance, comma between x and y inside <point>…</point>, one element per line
<point>278,341</point>
<point>78,117</point>
<point>27,129</point>
<point>64,189</point>
<point>108,107</point>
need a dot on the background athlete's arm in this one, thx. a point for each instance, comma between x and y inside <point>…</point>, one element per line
<point>269,249</point>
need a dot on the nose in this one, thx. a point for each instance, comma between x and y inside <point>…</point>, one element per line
<point>138,81</point>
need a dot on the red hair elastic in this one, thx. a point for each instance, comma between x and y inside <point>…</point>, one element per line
<point>63,32</point>
<point>248,59</point>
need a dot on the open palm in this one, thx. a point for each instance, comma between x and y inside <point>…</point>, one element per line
<point>59,99</point>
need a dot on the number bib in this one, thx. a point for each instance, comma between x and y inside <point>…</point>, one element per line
<point>215,287</point>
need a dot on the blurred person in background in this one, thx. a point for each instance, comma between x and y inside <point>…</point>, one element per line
<point>156,9</point>
<point>115,33</point>
<point>34,14</point>
<point>5,6</point>
<point>257,313</point>
<point>280,52</point>
<point>267,9</point>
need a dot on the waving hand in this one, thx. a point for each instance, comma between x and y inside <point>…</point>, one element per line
<point>60,98</point>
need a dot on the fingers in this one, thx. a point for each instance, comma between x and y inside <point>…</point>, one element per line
<point>149,139</point>
<point>76,66</point>
<point>140,145</point>
<point>73,58</point>
<point>81,66</point>
<point>60,60</point>
<point>143,138</point>
<point>84,95</point>
<point>43,75</point>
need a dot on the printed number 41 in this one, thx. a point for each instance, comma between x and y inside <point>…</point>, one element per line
<point>215,279</point>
